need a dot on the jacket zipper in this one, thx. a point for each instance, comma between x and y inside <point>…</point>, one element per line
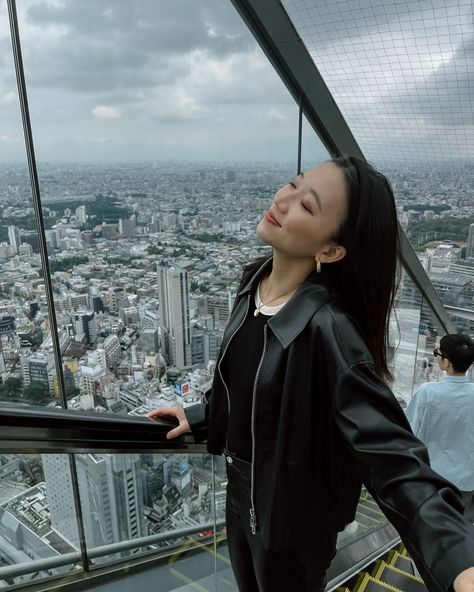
<point>224,352</point>
<point>253,515</point>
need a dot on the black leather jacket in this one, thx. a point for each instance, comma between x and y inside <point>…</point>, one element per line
<point>323,424</point>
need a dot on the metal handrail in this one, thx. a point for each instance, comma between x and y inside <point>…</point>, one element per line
<point>39,430</point>
<point>27,567</point>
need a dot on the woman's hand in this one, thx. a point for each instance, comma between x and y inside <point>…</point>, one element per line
<point>168,413</point>
<point>465,581</point>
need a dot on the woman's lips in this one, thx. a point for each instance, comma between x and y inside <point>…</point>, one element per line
<point>270,218</point>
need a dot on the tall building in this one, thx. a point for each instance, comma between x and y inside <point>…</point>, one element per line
<point>174,315</point>
<point>14,238</point>
<point>114,295</point>
<point>93,373</point>
<point>470,242</point>
<point>149,340</point>
<point>85,325</point>
<point>127,227</point>
<point>81,214</point>
<point>113,352</point>
<point>205,345</point>
<point>39,368</point>
<point>111,492</point>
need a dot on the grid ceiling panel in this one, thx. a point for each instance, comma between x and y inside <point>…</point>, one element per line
<point>401,72</point>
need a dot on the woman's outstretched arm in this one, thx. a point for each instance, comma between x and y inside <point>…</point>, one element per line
<point>424,508</point>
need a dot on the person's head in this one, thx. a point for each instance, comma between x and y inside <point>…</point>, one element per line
<point>455,353</point>
<point>342,213</point>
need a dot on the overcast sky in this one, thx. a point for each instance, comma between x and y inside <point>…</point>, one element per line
<point>184,79</point>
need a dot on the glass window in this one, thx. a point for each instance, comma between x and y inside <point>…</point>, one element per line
<point>27,365</point>
<point>313,151</point>
<point>160,141</point>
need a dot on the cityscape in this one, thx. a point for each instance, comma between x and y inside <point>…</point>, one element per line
<point>145,260</point>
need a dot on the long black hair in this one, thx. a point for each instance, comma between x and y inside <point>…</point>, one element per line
<point>366,278</point>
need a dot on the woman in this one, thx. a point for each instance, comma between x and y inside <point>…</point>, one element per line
<point>299,403</point>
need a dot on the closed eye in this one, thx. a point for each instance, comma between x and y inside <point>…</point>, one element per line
<point>292,184</point>
<point>306,207</point>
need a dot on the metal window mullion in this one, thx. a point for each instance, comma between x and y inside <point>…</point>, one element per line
<point>35,190</point>
<point>79,516</point>
<point>214,505</point>
<point>300,135</point>
<point>33,172</point>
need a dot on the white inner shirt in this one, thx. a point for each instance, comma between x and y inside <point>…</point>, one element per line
<point>266,310</point>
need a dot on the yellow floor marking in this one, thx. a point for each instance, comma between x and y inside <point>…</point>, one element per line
<point>188,580</point>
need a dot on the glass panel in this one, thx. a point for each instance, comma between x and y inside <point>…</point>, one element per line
<point>430,332</point>
<point>399,73</point>
<point>400,76</point>
<point>405,327</point>
<point>405,324</point>
<point>37,515</point>
<point>123,497</point>
<point>157,155</point>
<point>27,367</point>
<point>313,151</point>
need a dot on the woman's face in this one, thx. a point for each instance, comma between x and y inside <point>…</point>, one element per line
<point>306,212</point>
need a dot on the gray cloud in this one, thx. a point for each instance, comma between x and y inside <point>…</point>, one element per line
<point>112,44</point>
<point>172,79</point>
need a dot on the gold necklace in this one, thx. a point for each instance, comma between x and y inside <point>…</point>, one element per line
<point>262,304</point>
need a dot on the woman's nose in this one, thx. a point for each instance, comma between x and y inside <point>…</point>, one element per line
<point>281,203</point>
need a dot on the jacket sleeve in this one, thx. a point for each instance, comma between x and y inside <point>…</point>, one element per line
<point>198,418</point>
<point>393,464</point>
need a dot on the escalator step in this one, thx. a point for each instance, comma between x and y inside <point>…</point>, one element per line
<point>371,510</point>
<point>400,579</point>
<point>401,562</point>
<point>367,583</point>
<point>402,550</point>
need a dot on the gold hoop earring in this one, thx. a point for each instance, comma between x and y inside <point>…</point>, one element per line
<point>318,266</point>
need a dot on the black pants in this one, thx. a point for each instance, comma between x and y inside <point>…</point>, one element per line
<point>257,569</point>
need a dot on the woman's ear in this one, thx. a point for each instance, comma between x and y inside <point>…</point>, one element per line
<point>332,253</point>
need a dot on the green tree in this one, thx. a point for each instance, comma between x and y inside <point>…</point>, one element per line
<point>36,391</point>
<point>12,387</point>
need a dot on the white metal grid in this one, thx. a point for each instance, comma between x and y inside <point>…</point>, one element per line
<point>401,72</point>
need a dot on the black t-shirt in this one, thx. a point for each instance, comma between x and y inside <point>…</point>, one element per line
<point>239,368</point>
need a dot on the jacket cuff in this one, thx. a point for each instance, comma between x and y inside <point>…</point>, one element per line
<point>196,416</point>
<point>440,570</point>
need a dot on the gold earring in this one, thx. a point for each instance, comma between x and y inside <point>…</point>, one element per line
<point>318,266</point>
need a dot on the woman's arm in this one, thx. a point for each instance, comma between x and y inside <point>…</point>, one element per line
<point>424,508</point>
<point>194,419</point>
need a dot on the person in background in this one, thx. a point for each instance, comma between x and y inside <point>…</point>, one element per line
<point>300,404</point>
<point>441,415</point>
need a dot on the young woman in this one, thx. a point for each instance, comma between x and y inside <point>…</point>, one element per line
<point>299,403</point>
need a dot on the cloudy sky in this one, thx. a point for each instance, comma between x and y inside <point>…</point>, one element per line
<point>184,79</point>
<point>402,72</point>
<point>148,79</point>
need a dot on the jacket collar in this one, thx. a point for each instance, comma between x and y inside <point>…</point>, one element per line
<point>288,323</point>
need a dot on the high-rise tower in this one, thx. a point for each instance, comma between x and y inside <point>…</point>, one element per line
<point>174,315</point>
<point>111,492</point>
<point>14,238</point>
<point>470,242</point>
